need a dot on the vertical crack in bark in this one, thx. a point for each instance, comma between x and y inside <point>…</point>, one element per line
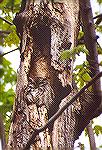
<point>44,80</point>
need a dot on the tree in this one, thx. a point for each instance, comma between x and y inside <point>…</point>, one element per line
<point>44,80</point>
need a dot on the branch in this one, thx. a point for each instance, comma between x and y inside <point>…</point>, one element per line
<point>92,108</point>
<point>98,111</point>
<point>98,16</point>
<point>89,35</point>
<point>91,136</point>
<point>99,19</point>
<point>60,111</point>
<point>5,32</point>
<point>91,44</point>
<point>10,23</point>
<point>9,52</point>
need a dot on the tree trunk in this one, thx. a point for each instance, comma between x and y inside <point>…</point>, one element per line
<point>44,81</point>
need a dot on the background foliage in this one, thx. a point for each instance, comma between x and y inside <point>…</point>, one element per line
<point>8,37</point>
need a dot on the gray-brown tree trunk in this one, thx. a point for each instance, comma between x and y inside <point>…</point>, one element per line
<point>44,80</point>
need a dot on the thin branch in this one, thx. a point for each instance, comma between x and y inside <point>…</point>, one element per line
<point>60,111</point>
<point>90,39</point>
<point>10,23</point>
<point>99,19</point>
<point>89,35</point>
<point>98,16</point>
<point>91,136</point>
<point>5,32</point>
<point>9,52</point>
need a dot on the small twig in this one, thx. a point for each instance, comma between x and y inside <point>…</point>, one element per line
<point>99,19</point>
<point>98,16</point>
<point>60,111</point>
<point>91,136</point>
<point>10,23</point>
<point>5,32</point>
<point>9,52</point>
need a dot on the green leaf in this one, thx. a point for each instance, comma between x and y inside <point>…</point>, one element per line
<point>12,38</point>
<point>86,133</point>
<point>98,130</point>
<point>1,72</point>
<point>86,77</point>
<point>65,54</point>
<point>78,67</point>
<point>8,76</point>
<point>71,53</point>
<point>99,49</point>
<point>100,146</point>
<point>99,1</point>
<point>99,28</point>
<point>80,35</point>
<point>100,63</point>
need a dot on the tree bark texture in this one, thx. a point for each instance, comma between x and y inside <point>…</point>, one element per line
<point>90,42</point>
<point>44,80</point>
<point>90,100</point>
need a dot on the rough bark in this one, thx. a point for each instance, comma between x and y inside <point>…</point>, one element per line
<point>90,42</point>
<point>60,111</point>
<point>44,80</point>
<point>90,100</point>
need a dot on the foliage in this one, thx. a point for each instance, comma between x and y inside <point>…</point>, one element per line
<point>98,129</point>
<point>11,6</point>
<point>66,54</point>
<point>99,49</point>
<point>82,74</point>
<point>8,10</point>
<point>100,63</point>
<point>7,94</point>
<point>99,28</point>
<point>99,1</point>
<point>8,37</point>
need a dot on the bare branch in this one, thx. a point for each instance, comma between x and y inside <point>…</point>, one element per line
<point>9,52</point>
<point>98,16</point>
<point>5,32</point>
<point>91,136</point>
<point>10,23</point>
<point>99,19</point>
<point>60,111</point>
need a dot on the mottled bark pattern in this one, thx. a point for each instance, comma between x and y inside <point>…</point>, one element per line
<point>43,79</point>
